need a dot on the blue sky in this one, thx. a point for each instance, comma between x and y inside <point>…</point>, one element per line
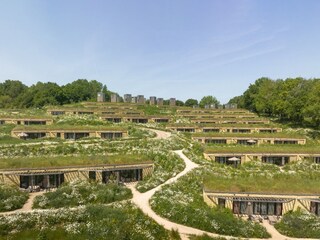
<point>168,48</point>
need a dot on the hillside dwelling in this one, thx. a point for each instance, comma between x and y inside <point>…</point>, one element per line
<point>71,111</point>
<point>160,119</point>
<point>182,128</point>
<point>57,112</point>
<point>68,134</point>
<point>137,119</point>
<point>262,204</point>
<point>229,121</point>
<point>114,119</point>
<point>26,121</point>
<point>248,140</point>
<point>217,116</point>
<point>230,129</point>
<point>279,159</point>
<point>47,178</point>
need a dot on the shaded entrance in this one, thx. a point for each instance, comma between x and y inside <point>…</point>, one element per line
<point>41,181</point>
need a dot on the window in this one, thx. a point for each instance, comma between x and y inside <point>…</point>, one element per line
<point>221,202</point>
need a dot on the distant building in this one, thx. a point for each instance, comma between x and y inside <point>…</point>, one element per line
<point>101,97</point>
<point>127,98</point>
<point>160,101</point>
<point>134,99</point>
<point>141,99</point>
<point>172,102</point>
<point>153,101</point>
<point>114,98</point>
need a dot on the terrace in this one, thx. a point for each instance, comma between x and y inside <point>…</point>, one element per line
<point>248,139</point>
<point>279,155</point>
<point>225,128</point>
<point>69,132</point>
<point>50,172</point>
<point>260,195</point>
<point>26,121</point>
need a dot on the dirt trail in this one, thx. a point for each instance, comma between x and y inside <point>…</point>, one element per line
<point>27,207</point>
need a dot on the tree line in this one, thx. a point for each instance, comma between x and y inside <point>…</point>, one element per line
<point>15,94</point>
<point>295,100</point>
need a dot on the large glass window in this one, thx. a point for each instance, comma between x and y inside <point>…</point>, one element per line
<point>266,208</point>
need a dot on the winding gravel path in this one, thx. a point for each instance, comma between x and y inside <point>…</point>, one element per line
<point>142,201</point>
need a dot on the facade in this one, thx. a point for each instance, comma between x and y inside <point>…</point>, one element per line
<point>71,134</point>
<point>140,99</point>
<point>262,203</point>
<point>249,140</point>
<point>127,98</point>
<point>134,99</point>
<point>279,159</point>
<point>223,129</point>
<point>114,98</point>
<point>160,101</point>
<point>172,102</point>
<point>101,97</point>
<point>153,101</point>
<point>46,178</point>
<point>26,121</point>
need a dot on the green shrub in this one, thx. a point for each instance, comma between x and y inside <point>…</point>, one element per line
<point>11,198</point>
<point>299,224</point>
<point>120,221</point>
<point>183,203</point>
<point>82,193</point>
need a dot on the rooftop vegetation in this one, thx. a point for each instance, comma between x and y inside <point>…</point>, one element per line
<point>68,127</point>
<point>80,193</point>
<point>281,183</point>
<point>250,135</point>
<point>64,161</point>
<point>211,125</point>
<point>288,149</point>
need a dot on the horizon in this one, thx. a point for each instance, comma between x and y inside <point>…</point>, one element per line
<point>179,49</point>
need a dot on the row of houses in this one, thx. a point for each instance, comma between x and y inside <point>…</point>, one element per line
<point>247,139</point>
<point>280,159</point>
<point>26,121</point>
<point>262,204</point>
<point>53,177</point>
<point>223,129</point>
<point>68,134</point>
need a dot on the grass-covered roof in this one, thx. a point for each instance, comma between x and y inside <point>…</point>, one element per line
<point>69,127</point>
<point>64,161</point>
<point>249,135</point>
<point>285,149</point>
<point>278,183</point>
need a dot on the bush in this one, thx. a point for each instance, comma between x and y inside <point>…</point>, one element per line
<point>183,203</point>
<point>120,221</point>
<point>299,224</point>
<point>11,198</point>
<point>81,193</point>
